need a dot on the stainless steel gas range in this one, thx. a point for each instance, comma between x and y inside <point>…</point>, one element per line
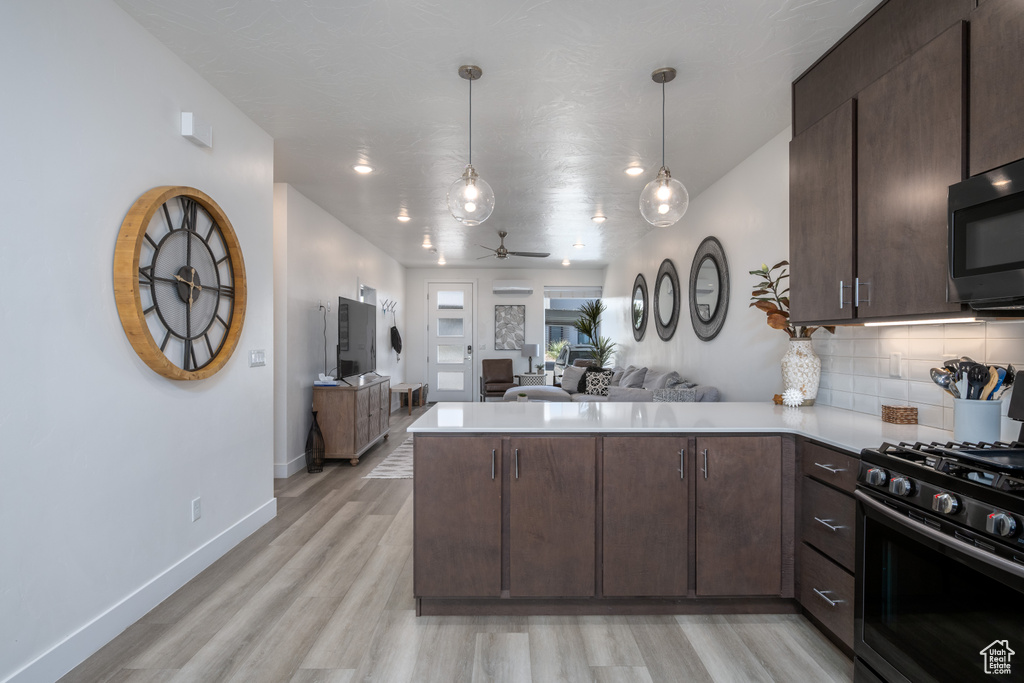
<point>940,563</point>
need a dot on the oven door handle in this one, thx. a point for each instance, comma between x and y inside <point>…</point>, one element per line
<point>942,539</point>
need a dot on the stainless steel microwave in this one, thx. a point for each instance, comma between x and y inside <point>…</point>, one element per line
<point>986,239</point>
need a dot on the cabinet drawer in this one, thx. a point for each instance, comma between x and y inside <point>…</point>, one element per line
<point>821,579</point>
<point>828,520</point>
<point>832,467</point>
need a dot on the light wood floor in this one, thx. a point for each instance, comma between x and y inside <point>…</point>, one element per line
<point>323,593</point>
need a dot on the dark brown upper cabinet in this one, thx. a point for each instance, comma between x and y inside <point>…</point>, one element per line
<point>821,218</point>
<point>910,139</point>
<point>997,89</point>
<point>889,35</point>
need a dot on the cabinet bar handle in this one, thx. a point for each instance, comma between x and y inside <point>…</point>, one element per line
<point>493,454</point>
<point>826,523</point>
<point>829,468</point>
<point>830,601</point>
<point>682,463</point>
<point>840,295</point>
<point>517,463</point>
<point>705,463</point>
<point>857,301</point>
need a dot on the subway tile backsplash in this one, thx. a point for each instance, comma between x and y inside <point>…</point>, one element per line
<point>855,365</point>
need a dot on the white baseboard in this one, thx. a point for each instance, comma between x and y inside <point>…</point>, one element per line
<point>84,642</point>
<point>287,469</point>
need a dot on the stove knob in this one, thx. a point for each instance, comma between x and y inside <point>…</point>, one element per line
<point>876,477</point>
<point>901,486</point>
<point>946,503</point>
<point>1001,524</point>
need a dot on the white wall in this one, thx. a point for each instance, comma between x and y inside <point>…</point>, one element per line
<point>486,300</point>
<point>748,211</point>
<point>316,257</point>
<point>101,456</point>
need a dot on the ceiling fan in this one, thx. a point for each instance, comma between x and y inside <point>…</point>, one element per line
<point>503,253</point>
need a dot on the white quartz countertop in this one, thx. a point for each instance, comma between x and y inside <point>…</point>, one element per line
<point>841,428</point>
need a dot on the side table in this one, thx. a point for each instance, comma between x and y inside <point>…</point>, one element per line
<point>532,379</point>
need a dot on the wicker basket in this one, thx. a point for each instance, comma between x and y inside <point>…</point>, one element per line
<point>899,415</point>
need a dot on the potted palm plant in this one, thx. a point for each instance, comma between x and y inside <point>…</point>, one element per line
<point>588,323</point>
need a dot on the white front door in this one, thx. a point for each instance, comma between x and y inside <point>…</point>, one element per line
<point>450,341</point>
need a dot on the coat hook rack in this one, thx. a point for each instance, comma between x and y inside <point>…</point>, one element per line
<point>388,306</point>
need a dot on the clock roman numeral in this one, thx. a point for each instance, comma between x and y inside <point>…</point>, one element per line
<point>167,338</point>
<point>209,346</point>
<point>213,226</point>
<point>146,272</point>
<point>150,240</point>
<point>189,207</point>
<point>167,217</point>
<point>190,356</point>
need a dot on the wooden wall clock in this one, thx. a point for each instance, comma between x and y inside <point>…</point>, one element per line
<point>179,282</point>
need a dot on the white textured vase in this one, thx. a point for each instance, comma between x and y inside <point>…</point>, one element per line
<point>801,369</point>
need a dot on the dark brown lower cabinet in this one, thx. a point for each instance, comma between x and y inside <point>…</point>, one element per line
<point>646,516</point>
<point>739,516</point>
<point>552,505</point>
<point>457,510</point>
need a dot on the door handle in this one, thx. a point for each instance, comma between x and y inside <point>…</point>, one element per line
<point>517,463</point>
<point>705,463</point>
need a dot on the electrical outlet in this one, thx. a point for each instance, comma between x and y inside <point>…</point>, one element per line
<point>197,510</point>
<point>895,364</point>
<point>320,304</point>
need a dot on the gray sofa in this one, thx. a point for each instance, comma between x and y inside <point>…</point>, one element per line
<point>629,384</point>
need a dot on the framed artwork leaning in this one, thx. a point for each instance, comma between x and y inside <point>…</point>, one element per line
<point>509,327</point>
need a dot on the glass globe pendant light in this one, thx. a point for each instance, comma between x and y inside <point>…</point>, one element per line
<point>470,198</point>
<point>664,200</point>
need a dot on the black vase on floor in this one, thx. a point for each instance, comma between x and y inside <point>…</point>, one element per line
<point>315,448</point>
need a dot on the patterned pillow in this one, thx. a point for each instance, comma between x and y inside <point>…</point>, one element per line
<point>675,395</point>
<point>597,382</point>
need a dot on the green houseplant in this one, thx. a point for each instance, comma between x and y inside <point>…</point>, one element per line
<point>588,323</point>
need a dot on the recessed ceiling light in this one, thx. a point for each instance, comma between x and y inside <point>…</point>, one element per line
<point>578,245</point>
<point>426,242</point>
<point>362,168</point>
<point>404,218</point>
<point>599,218</point>
<point>440,260</point>
<point>634,170</point>
<point>565,262</point>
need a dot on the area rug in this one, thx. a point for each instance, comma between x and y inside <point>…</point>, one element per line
<point>398,465</point>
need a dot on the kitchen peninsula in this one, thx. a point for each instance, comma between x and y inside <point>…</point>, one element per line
<point>631,508</point>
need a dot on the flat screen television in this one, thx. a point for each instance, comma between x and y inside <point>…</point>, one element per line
<point>357,337</point>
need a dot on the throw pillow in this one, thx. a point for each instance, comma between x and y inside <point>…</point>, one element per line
<point>582,387</point>
<point>630,395</point>
<point>571,378</point>
<point>597,382</point>
<point>675,395</point>
<point>634,379</point>
<point>617,373</point>
<point>661,380</point>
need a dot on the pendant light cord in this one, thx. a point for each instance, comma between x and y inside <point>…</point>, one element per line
<point>471,122</point>
<point>662,124</point>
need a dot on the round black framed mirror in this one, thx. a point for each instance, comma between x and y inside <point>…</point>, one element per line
<point>666,300</point>
<point>638,310</point>
<point>709,289</point>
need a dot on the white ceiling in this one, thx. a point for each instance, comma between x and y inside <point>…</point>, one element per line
<point>565,104</point>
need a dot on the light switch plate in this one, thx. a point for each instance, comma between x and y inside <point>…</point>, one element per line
<point>257,358</point>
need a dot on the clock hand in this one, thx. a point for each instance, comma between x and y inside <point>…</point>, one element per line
<point>193,284</point>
